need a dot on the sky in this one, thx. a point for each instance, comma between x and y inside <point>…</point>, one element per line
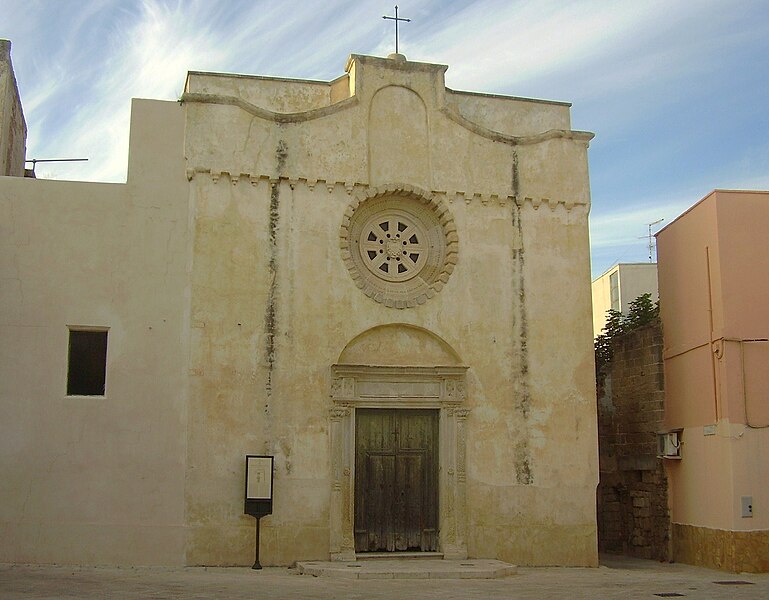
<point>677,92</point>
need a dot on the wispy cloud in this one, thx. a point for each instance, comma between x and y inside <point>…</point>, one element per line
<point>676,91</point>
<point>145,49</point>
<point>626,227</point>
<point>495,42</point>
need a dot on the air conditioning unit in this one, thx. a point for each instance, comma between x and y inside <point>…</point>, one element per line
<point>669,444</point>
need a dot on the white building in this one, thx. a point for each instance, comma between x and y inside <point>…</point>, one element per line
<point>618,287</point>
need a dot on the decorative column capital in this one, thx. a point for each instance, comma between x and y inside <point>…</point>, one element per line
<point>338,413</point>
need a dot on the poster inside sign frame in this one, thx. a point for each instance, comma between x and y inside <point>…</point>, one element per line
<point>259,477</point>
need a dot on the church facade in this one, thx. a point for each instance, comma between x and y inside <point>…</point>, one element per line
<point>379,281</point>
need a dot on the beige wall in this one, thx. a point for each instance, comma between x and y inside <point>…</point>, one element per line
<point>715,326</point>
<point>96,480</point>
<point>13,129</point>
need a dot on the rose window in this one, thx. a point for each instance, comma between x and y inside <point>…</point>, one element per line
<point>399,245</point>
<point>393,246</point>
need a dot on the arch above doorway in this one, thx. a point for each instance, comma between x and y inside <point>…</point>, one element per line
<point>399,344</point>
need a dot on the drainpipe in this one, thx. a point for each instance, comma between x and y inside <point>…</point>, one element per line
<point>713,350</point>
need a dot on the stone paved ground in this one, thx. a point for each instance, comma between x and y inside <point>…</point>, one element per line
<point>625,579</point>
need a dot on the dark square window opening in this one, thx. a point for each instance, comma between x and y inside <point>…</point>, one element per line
<point>87,367</point>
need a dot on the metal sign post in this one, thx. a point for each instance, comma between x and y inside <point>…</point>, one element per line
<point>258,497</point>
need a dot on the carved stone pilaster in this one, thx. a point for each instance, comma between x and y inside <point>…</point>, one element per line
<point>448,482</point>
<point>461,491</point>
<point>453,482</point>
<point>342,546</point>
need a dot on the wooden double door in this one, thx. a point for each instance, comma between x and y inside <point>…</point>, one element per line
<point>396,480</point>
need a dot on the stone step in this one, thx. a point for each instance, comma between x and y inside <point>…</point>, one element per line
<point>398,555</point>
<point>408,568</point>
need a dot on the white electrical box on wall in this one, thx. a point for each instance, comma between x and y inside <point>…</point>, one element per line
<point>669,444</point>
<point>747,507</point>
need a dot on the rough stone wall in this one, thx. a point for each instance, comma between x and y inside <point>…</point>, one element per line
<point>736,551</point>
<point>633,515</point>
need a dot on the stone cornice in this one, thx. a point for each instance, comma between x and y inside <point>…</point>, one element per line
<point>551,203</point>
<point>450,197</point>
<point>525,140</point>
<point>347,370</point>
<point>268,115</point>
<point>452,114</point>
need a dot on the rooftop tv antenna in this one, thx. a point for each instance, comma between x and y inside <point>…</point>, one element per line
<point>34,161</point>
<point>396,18</point>
<point>651,238</point>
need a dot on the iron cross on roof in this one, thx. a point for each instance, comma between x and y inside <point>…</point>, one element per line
<point>396,18</point>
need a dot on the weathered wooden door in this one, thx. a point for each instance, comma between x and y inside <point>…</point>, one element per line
<point>396,480</point>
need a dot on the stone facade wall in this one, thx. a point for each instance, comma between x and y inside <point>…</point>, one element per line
<point>633,515</point>
<point>281,290</point>
<point>13,129</point>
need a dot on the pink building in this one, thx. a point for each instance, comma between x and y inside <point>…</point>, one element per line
<point>714,299</point>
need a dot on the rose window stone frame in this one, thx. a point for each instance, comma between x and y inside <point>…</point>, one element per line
<point>400,245</point>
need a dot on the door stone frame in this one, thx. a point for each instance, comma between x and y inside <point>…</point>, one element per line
<point>366,386</point>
